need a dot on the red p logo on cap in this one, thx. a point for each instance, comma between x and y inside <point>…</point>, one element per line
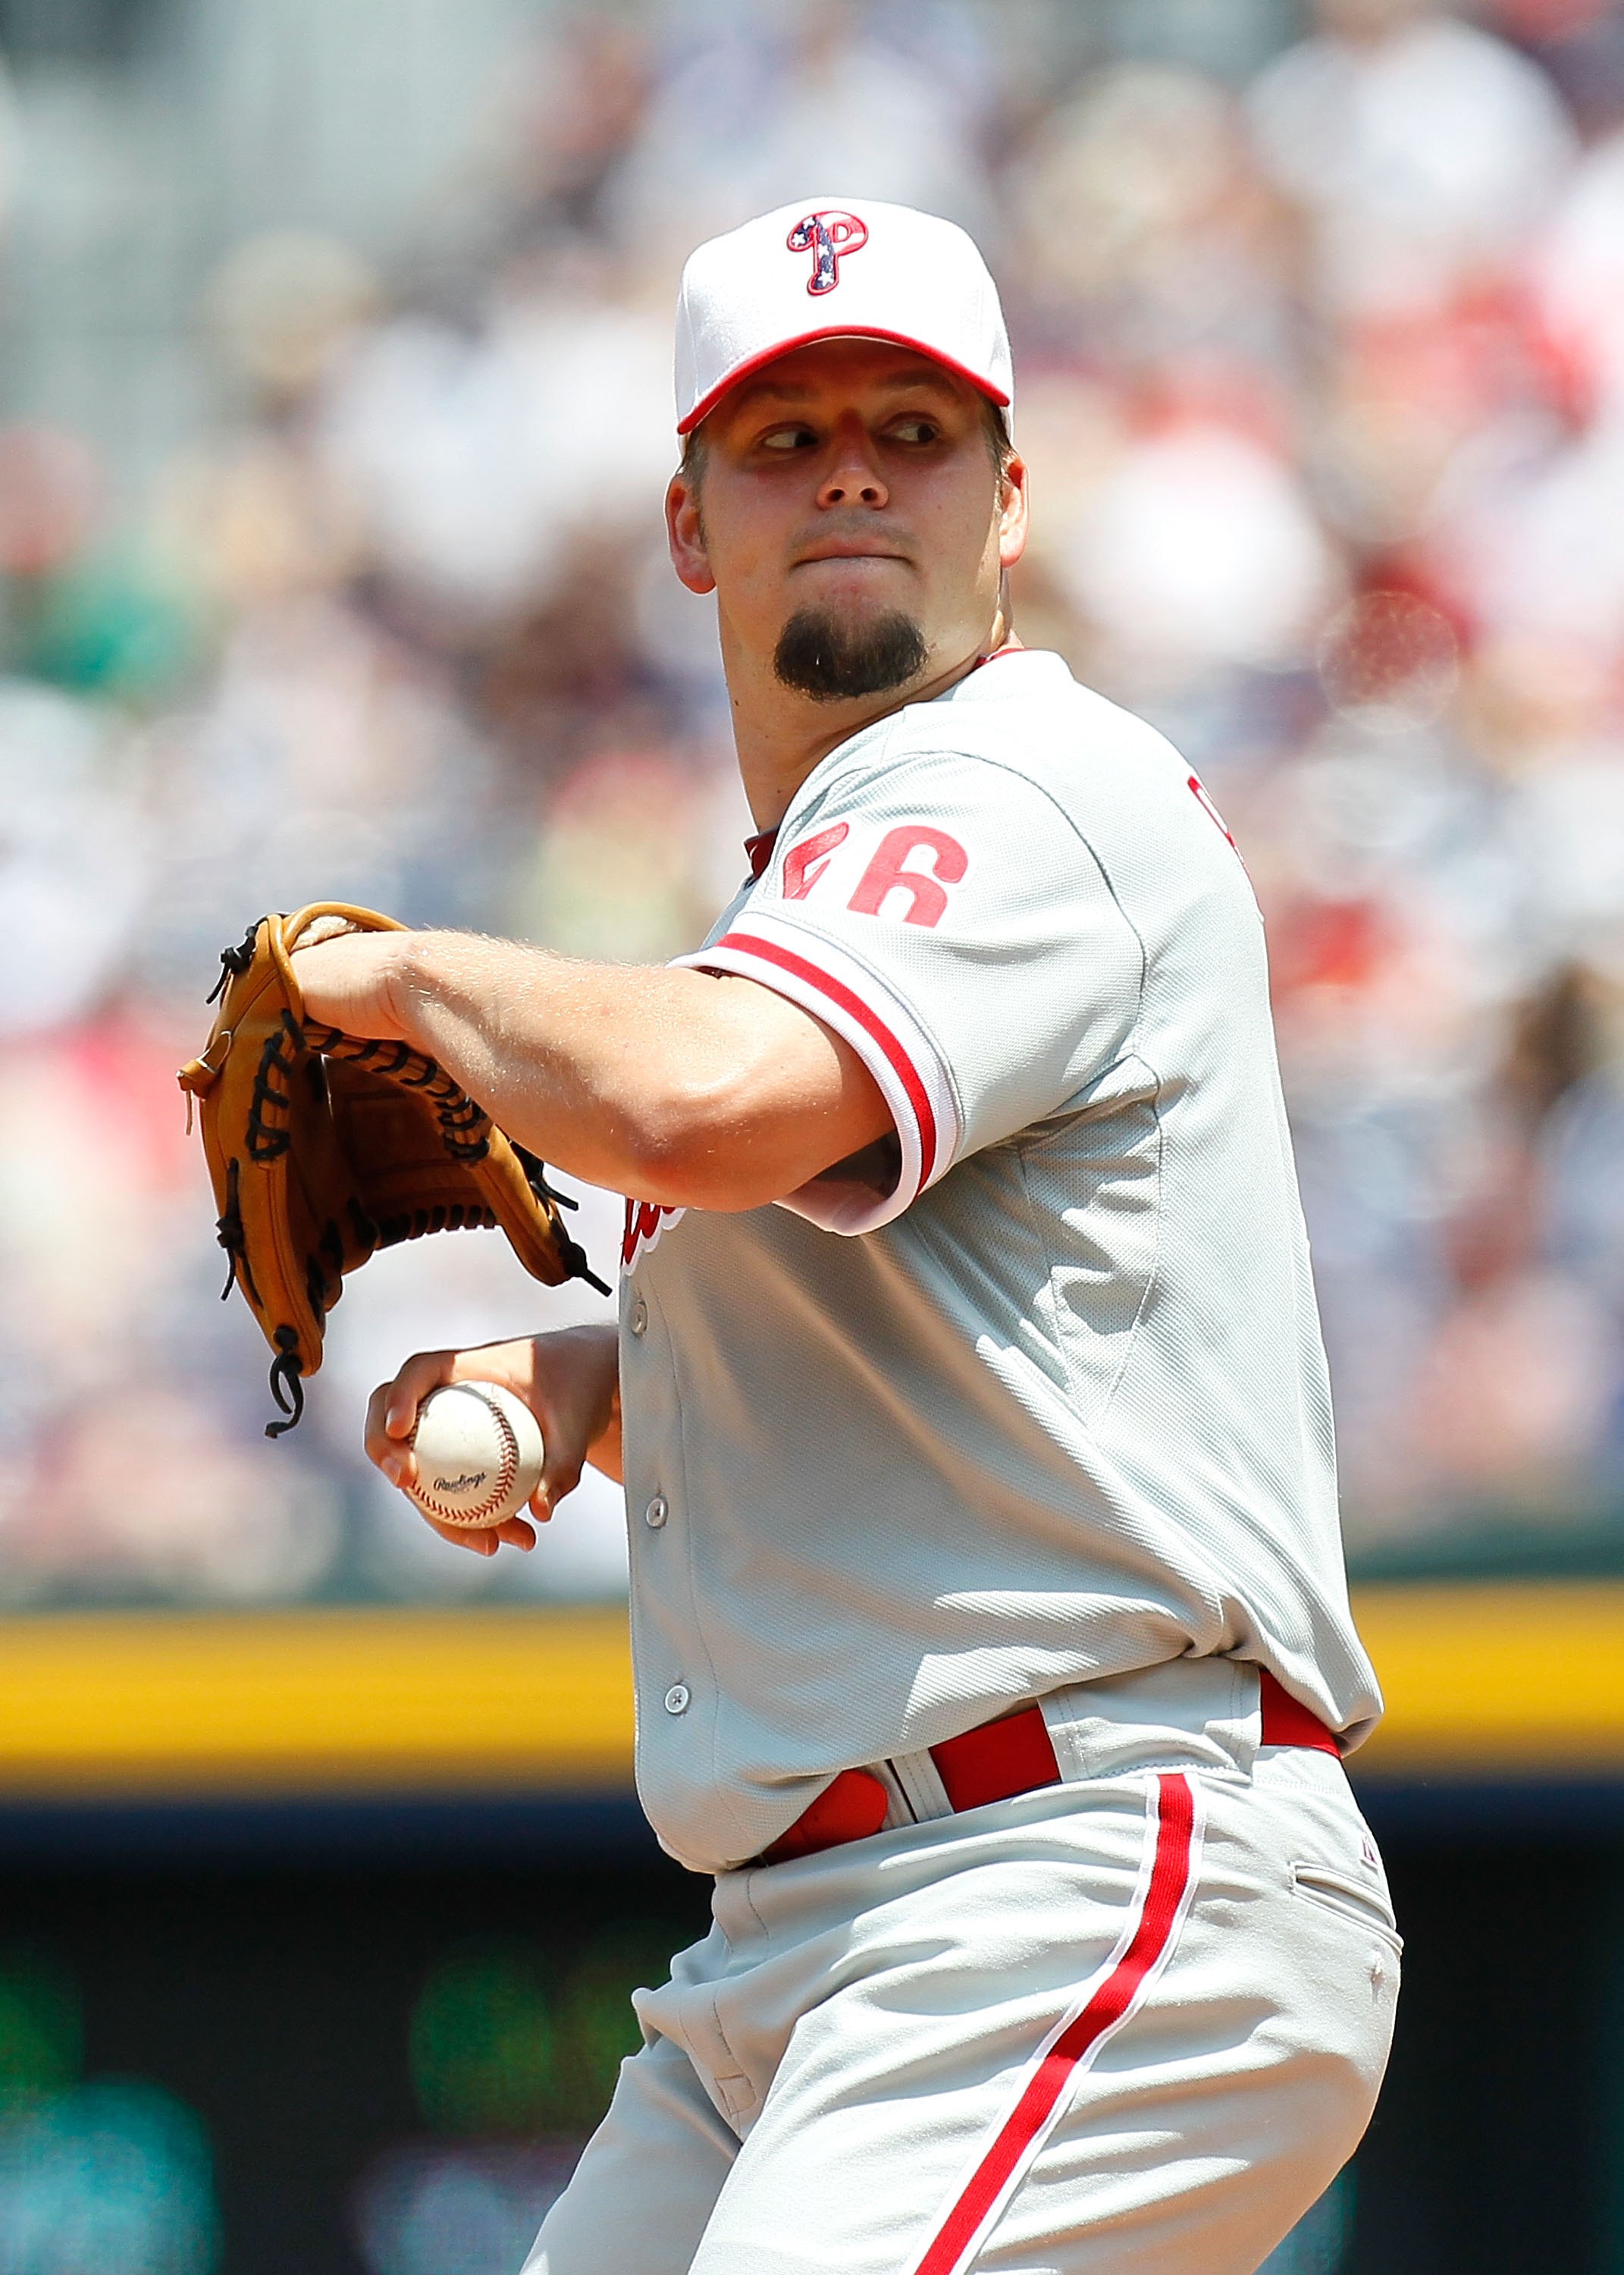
<point>827,236</point>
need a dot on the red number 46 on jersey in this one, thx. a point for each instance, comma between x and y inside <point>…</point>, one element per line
<point>915,860</point>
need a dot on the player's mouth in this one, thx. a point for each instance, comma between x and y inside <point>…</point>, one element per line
<point>848,550</point>
<point>857,540</point>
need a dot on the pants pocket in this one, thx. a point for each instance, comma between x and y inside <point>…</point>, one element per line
<point>1338,1891</point>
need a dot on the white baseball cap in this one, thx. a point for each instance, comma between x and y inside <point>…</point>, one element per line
<point>829,268</point>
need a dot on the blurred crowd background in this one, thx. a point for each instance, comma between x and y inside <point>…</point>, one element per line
<point>334,417</point>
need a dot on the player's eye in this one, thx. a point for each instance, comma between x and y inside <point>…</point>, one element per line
<point>914,429</point>
<point>792,436</point>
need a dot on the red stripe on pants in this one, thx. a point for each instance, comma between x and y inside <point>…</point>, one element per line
<point>1164,1895</point>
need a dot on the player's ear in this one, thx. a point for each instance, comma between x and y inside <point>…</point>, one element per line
<point>1012,511</point>
<point>685,533</point>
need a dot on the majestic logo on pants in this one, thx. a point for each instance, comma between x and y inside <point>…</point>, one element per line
<point>828,236</point>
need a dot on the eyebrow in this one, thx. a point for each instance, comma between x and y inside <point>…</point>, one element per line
<point>785,391</point>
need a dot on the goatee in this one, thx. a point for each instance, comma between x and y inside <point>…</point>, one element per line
<point>819,655</point>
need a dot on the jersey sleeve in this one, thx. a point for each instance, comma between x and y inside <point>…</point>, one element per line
<point>946,918</point>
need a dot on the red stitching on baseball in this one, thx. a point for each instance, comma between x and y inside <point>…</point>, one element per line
<point>505,1475</point>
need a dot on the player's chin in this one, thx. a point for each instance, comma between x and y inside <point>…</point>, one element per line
<point>836,653</point>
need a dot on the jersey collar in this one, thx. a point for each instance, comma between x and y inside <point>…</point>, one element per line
<point>759,849</point>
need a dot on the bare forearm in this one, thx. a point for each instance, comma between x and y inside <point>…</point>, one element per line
<point>585,1361</point>
<point>587,1064</point>
<point>682,1088</point>
<point>604,1452</point>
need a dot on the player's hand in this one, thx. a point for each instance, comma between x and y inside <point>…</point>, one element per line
<point>350,982</point>
<point>570,1382</point>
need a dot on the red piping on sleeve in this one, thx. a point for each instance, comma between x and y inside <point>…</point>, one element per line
<point>902,1065</point>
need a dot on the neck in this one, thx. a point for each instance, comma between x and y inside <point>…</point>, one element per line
<point>780,735</point>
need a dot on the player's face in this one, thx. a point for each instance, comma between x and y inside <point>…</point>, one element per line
<point>848,504</point>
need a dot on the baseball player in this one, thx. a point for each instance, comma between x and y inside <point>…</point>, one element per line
<point>992,1640</point>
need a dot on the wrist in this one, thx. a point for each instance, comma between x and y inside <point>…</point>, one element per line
<point>601,1341</point>
<point>407,986</point>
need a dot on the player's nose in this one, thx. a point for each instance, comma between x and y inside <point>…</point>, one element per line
<point>852,476</point>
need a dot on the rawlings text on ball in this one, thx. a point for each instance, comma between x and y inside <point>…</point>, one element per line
<point>479,1454</point>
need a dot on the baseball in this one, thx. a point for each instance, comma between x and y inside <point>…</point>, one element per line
<point>478,1454</point>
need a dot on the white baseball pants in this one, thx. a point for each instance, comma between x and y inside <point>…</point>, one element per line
<point>1135,2021</point>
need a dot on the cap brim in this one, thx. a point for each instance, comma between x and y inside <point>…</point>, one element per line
<point>741,372</point>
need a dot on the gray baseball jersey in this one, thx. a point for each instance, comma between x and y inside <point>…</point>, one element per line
<point>1033,1392</point>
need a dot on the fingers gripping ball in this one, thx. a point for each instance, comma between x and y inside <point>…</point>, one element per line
<point>479,1454</point>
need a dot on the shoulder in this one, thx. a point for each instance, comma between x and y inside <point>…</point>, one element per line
<point>1020,731</point>
<point>1035,794</point>
<point>1028,770</point>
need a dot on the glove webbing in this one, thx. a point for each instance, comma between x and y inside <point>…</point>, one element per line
<point>465,1126</point>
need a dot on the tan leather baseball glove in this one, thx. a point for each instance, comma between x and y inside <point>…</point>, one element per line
<point>323,1147</point>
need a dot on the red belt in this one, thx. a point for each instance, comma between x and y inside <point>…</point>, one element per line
<point>994,1762</point>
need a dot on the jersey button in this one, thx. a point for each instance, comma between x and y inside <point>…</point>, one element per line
<point>638,1319</point>
<point>678,1697</point>
<point>655,1514</point>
